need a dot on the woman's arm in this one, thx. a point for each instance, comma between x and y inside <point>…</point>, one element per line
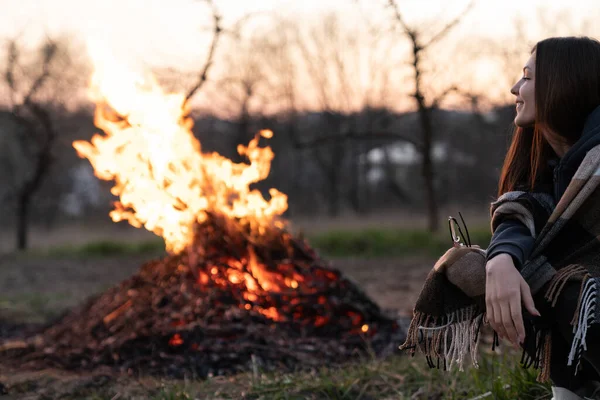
<point>506,290</point>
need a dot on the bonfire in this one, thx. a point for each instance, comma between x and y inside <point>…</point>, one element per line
<point>237,290</point>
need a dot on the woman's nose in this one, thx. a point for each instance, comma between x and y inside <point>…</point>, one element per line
<point>515,89</point>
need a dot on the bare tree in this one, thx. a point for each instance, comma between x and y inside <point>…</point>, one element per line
<point>241,89</point>
<point>419,46</point>
<point>34,82</point>
<point>349,74</point>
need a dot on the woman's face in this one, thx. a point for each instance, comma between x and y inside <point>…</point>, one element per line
<point>524,91</point>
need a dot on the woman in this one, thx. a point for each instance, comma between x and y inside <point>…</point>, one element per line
<point>557,123</point>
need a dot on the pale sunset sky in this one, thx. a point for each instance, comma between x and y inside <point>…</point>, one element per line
<point>175,33</point>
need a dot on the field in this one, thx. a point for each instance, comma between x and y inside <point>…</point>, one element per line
<point>389,264</point>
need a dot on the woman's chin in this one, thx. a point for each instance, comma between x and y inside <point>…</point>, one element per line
<point>523,123</point>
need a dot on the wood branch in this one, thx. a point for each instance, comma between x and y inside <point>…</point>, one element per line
<point>202,78</point>
<point>117,312</point>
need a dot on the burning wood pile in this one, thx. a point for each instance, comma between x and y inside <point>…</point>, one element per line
<point>217,311</point>
<point>237,290</point>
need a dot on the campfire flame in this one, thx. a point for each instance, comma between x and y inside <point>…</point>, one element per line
<point>164,181</point>
<point>238,289</point>
<point>228,242</point>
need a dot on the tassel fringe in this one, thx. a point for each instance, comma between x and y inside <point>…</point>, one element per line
<point>585,316</point>
<point>560,280</point>
<point>540,357</point>
<point>446,340</point>
<point>587,307</point>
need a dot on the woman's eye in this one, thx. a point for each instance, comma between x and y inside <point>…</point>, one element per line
<point>525,78</point>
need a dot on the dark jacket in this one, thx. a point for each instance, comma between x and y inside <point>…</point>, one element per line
<point>511,236</point>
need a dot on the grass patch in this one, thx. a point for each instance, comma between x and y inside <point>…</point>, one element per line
<point>108,248</point>
<point>404,378</point>
<point>32,307</point>
<point>398,377</point>
<point>390,242</point>
<point>337,243</point>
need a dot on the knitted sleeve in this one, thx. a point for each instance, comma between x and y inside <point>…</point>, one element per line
<point>513,238</point>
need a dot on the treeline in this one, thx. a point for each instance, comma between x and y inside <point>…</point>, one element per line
<point>326,163</point>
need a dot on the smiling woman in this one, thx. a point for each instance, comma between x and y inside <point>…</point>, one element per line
<point>554,153</point>
<point>524,90</point>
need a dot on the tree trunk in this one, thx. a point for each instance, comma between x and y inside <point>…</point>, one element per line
<point>428,171</point>
<point>22,220</point>
<point>334,198</point>
<point>357,187</point>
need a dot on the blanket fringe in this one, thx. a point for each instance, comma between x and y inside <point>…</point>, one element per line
<point>560,280</point>
<point>446,340</point>
<point>585,315</point>
<point>541,352</point>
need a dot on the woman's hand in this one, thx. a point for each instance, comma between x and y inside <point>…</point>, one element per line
<point>505,291</point>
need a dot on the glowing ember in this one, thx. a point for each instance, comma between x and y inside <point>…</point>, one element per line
<point>364,328</point>
<point>164,181</point>
<point>176,340</point>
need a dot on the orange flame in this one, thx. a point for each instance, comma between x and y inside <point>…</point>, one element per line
<point>164,181</point>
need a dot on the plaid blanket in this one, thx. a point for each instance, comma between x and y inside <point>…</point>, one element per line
<point>450,309</point>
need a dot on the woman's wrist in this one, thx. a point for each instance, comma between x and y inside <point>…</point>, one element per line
<point>500,259</point>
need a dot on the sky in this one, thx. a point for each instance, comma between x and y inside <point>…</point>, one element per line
<point>167,31</point>
<point>175,33</point>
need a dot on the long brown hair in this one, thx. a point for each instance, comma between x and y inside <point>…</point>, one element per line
<point>567,90</point>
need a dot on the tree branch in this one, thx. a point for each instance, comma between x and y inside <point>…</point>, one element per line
<point>12,61</point>
<point>48,52</point>
<point>436,102</point>
<point>394,6</point>
<point>211,52</point>
<point>450,25</point>
<point>413,33</point>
